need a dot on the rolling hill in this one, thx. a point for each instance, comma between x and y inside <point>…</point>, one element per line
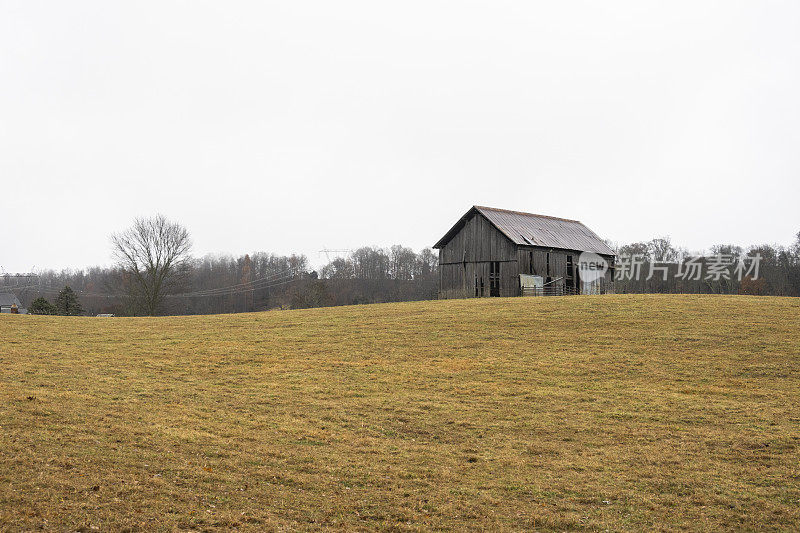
<point>603,412</point>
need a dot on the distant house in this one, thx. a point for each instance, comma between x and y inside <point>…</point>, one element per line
<point>495,252</point>
<point>10,304</point>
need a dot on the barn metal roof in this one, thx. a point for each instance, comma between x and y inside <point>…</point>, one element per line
<point>527,229</point>
<point>7,299</point>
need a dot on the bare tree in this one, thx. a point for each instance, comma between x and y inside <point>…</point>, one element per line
<point>641,249</point>
<point>661,250</point>
<point>154,252</point>
<point>401,262</point>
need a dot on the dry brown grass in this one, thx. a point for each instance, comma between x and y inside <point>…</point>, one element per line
<point>611,412</point>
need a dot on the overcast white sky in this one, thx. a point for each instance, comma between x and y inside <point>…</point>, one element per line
<point>293,126</point>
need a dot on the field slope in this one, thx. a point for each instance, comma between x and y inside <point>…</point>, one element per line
<point>608,412</point>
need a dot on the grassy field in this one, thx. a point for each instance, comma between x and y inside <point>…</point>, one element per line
<point>603,412</point>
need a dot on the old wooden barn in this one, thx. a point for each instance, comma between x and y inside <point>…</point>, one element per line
<point>495,252</point>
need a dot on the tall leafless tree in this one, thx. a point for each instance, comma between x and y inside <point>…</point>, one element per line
<point>662,251</point>
<point>154,252</point>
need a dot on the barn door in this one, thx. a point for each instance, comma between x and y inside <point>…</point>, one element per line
<point>494,278</point>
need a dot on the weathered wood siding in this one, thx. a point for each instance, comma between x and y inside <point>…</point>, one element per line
<point>467,257</point>
<point>533,260</point>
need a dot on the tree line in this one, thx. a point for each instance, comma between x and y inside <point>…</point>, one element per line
<point>155,274</point>
<point>778,269</point>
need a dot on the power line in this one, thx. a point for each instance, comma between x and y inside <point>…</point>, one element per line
<point>17,287</point>
<point>328,253</point>
<point>40,289</point>
<point>249,283</point>
<point>272,280</point>
<point>276,283</point>
<point>263,284</point>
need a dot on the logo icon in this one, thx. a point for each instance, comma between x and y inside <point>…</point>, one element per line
<point>591,267</point>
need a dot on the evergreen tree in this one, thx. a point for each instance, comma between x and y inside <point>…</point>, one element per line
<point>67,303</point>
<point>40,306</point>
